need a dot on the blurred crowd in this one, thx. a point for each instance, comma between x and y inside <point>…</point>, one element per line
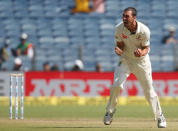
<point>24,48</point>
<point>27,49</point>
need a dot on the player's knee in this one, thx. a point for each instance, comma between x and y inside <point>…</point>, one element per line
<point>150,93</point>
<point>120,86</point>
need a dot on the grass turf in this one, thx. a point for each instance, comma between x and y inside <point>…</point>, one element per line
<point>86,118</point>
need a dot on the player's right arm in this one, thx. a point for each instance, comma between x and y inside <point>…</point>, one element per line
<point>119,44</point>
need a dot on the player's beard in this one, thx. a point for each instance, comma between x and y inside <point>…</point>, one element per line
<point>126,23</point>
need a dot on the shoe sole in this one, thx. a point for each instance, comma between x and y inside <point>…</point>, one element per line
<point>162,127</point>
<point>107,123</point>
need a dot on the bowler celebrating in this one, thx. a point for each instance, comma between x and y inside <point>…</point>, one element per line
<point>132,40</point>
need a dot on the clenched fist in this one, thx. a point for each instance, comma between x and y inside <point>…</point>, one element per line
<point>138,52</point>
<point>118,51</point>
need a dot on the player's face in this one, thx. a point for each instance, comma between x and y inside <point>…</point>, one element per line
<point>128,18</point>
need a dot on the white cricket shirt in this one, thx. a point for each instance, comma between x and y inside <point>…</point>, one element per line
<point>132,41</point>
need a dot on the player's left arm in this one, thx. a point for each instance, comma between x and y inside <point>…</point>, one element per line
<point>141,51</point>
<point>145,44</point>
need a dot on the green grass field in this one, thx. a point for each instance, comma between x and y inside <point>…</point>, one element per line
<point>86,118</point>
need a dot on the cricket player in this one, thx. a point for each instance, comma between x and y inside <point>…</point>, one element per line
<point>132,40</point>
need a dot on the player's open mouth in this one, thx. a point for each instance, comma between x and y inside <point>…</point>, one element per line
<point>125,22</point>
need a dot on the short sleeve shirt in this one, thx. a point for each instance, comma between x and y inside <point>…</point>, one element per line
<point>131,41</point>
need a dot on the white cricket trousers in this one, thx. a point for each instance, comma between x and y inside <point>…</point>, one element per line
<point>142,70</point>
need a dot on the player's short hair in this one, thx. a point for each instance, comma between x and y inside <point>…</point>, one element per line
<point>134,11</point>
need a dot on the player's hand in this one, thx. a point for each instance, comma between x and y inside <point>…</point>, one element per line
<point>138,52</point>
<point>118,51</point>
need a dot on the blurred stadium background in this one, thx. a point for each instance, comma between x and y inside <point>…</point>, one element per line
<point>60,37</point>
<point>57,34</point>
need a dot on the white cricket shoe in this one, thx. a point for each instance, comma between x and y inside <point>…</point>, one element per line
<point>108,118</point>
<point>161,121</point>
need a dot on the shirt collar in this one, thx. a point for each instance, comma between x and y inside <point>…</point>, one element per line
<point>138,27</point>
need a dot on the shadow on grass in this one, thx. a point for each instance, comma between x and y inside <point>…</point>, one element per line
<point>74,127</point>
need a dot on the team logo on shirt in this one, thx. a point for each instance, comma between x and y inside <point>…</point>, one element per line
<point>138,37</point>
<point>124,36</point>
